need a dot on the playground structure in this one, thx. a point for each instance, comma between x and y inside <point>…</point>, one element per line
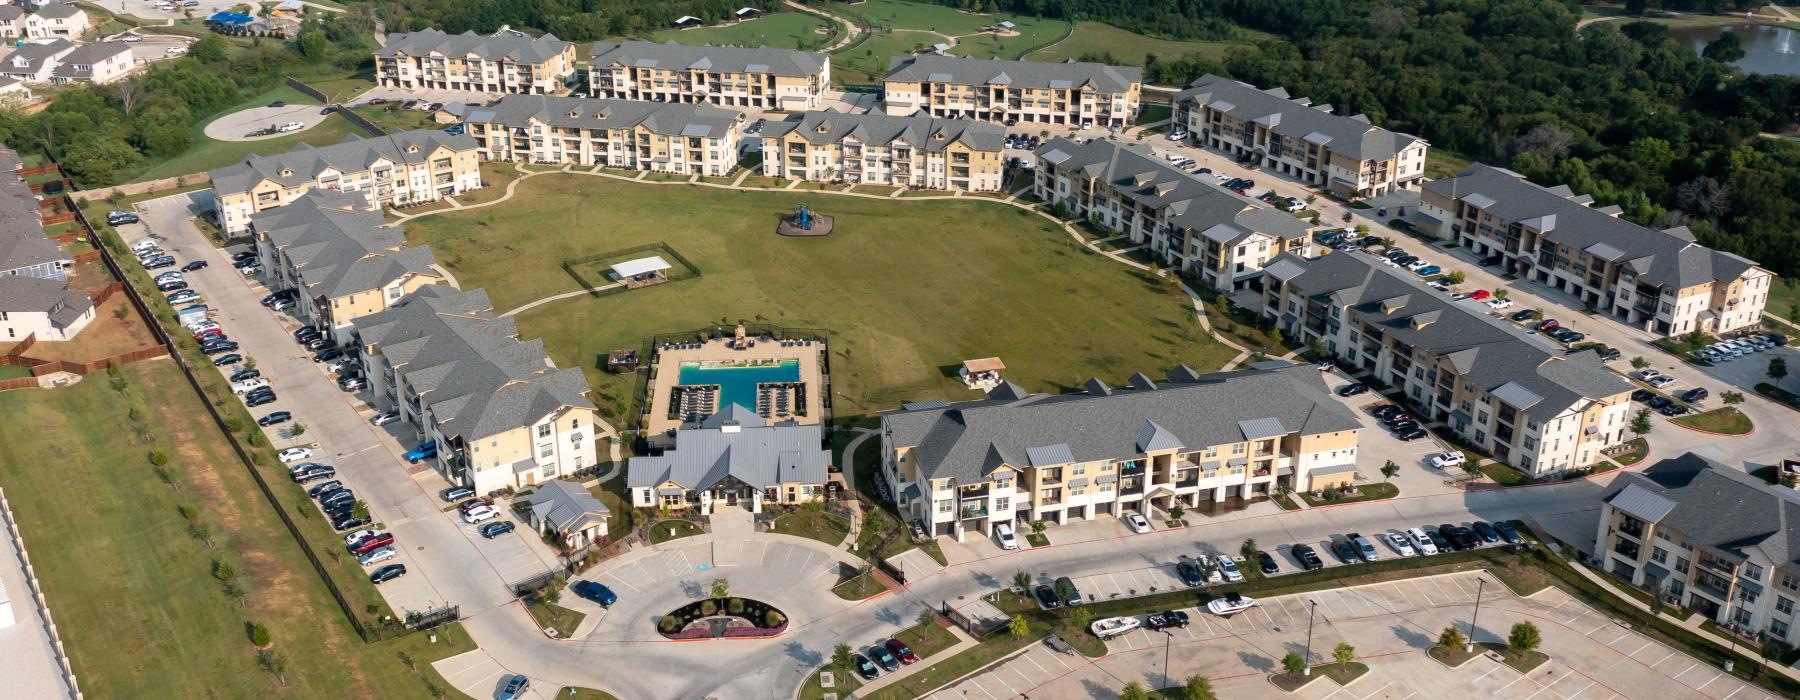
<point>804,222</point>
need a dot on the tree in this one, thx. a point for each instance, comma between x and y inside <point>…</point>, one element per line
<point>1134,691</point>
<point>1524,638</point>
<point>1456,277</point>
<point>259,635</point>
<point>1293,664</point>
<point>1501,293</point>
<point>297,430</point>
<point>209,49</point>
<point>1022,579</point>
<point>312,44</point>
<point>1316,349</point>
<point>1343,654</point>
<point>1019,628</point>
<point>927,615</point>
<point>223,571</point>
<point>1451,638</point>
<point>1037,526</point>
<point>842,659</point>
<point>1640,423</point>
<point>1389,470</point>
<point>274,663</point>
<point>721,588</point>
<point>128,92</point>
<point>1198,687</point>
<point>1082,616</point>
<point>1777,369</point>
<point>1249,549</point>
<point>1731,398</point>
<point>1725,49</point>
<point>1639,362</point>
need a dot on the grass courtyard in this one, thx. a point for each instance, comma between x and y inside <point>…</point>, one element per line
<point>1129,47</point>
<point>902,27</point>
<point>907,289</point>
<point>132,582</point>
<point>206,154</point>
<point>781,30</point>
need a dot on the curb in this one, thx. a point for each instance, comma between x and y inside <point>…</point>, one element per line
<point>1752,430</point>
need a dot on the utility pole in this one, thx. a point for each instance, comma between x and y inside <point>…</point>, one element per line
<point>1310,611</point>
<point>1167,638</point>
<point>1469,646</point>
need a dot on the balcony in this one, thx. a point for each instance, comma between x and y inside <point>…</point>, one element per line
<point>975,510</point>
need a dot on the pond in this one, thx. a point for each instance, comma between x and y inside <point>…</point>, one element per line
<point>1768,49</point>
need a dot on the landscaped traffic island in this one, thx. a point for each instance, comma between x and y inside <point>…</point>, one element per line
<point>727,618</point>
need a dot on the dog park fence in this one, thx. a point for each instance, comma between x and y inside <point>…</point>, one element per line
<point>37,596</point>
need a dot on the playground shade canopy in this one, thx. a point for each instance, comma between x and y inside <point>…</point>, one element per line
<point>640,267</point>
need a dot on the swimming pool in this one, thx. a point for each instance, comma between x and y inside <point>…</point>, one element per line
<point>738,384</point>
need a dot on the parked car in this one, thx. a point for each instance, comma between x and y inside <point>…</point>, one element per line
<point>596,592</point>
<point>229,359</point>
<point>375,556</point>
<point>1662,382</point>
<point>1352,389</point>
<point>314,475</point>
<point>1507,532</point>
<point>1421,542</point>
<point>425,450</point>
<point>1267,562</point>
<point>1672,410</point>
<point>1065,588</point>
<point>1003,533</point>
<point>325,489</point>
<point>884,657</point>
<point>275,418</point>
<point>1410,435</point>
<point>216,347</point>
<point>254,400</point>
<point>866,668</point>
<point>1047,598</point>
<point>1136,522</point>
<point>1461,538</point>
<point>1344,551</point>
<point>480,514</point>
<point>1523,316</point>
<point>515,688</point>
<point>387,573</point>
<point>1167,619</point>
<point>352,382</point>
<point>457,493</point>
<point>492,530</point>
<point>901,651</point>
<point>1486,531</point>
<point>294,454</point>
<point>1189,572</point>
<point>183,296</point>
<point>348,523</point>
<point>385,418</point>
<point>1437,539</point>
<point>117,217</point>
<point>1499,304</point>
<point>371,543</point>
<point>194,265</point>
<point>1364,548</point>
<point>328,354</point>
<point>1448,459</point>
<point>1694,395</point>
<point>1229,569</point>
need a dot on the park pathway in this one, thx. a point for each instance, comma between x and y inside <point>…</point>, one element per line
<point>848,35</point>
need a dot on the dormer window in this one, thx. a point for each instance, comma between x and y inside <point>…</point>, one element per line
<point>413,148</point>
<point>287,172</point>
<point>573,113</point>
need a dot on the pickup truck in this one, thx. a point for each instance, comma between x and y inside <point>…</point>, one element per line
<point>248,385</point>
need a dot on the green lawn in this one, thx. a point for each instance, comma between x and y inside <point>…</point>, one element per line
<point>907,290</point>
<point>14,371</point>
<point>857,588</point>
<point>823,527</point>
<point>1366,492</point>
<point>781,30</point>
<point>1129,47</point>
<point>672,529</point>
<point>1725,421</point>
<point>1442,163</point>
<point>1784,297</point>
<point>139,608</point>
<point>207,154</point>
<point>556,617</point>
<point>902,26</point>
<point>391,118</point>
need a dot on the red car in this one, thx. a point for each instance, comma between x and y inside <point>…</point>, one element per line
<point>209,333</point>
<point>901,651</point>
<point>472,503</point>
<point>1549,324</point>
<point>370,544</point>
<point>1480,294</point>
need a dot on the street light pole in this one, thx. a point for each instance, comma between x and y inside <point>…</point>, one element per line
<point>1469,645</point>
<point>1310,610</point>
<point>1167,638</point>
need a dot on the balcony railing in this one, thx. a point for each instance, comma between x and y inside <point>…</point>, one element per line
<point>975,511</point>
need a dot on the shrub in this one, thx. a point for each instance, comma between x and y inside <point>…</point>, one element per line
<point>772,619</point>
<point>709,608</point>
<point>1450,638</point>
<point>259,635</point>
<point>668,623</point>
<point>735,605</point>
<point>1524,638</point>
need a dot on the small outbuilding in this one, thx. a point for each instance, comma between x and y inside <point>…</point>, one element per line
<point>689,22</point>
<point>746,13</point>
<point>642,271</point>
<point>982,374</point>
<point>566,510</point>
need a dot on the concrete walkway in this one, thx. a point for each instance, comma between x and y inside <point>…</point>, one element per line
<point>847,465</point>
<point>850,30</point>
<point>556,297</point>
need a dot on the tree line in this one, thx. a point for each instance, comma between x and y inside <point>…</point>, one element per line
<point>570,20</point>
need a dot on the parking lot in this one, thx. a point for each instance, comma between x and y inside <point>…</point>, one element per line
<point>1390,625</point>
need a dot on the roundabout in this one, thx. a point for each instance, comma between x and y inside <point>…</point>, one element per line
<point>251,124</point>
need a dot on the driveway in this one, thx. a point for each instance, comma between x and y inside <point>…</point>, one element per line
<point>155,47</point>
<point>247,124</point>
<point>394,94</point>
<point>1376,445</point>
<point>447,562</point>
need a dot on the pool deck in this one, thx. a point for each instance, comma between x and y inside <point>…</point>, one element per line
<point>668,375</point>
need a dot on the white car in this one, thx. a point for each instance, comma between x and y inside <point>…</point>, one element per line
<point>295,454</point>
<point>1498,304</point>
<point>1662,382</point>
<point>1448,460</point>
<point>1644,375</point>
<point>131,38</point>
<point>351,538</point>
<point>290,126</point>
<point>249,385</point>
<point>1296,205</point>
<point>375,556</point>
<point>175,50</point>
<point>1401,544</point>
<point>1417,265</point>
<point>1137,523</point>
<point>385,418</point>
<point>480,514</point>
<point>1003,532</point>
<point>1229,568</point>
<point>1422,541</point>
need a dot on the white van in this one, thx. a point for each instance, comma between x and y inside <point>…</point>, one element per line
<point>1004,533</point>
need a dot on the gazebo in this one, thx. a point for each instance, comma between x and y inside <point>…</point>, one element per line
<point>642,271</point>
<point>982,374</point>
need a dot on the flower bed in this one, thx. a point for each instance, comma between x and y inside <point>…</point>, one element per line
<point>730,618</point>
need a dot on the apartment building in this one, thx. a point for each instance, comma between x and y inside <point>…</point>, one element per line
<point>918,151</point>
<point>34,63</point>
<point>498,410</point>
<point>1189,223</point>
<point>1016,456</point>
<point>634,135</point>
<point>734,458</point>
<point>1707,537</point>
<point>1294,137</point>
<point>98,63</point>
<point>1519,398</point>
<point>52,20</point>
<point>45,308</point>
<point>1014,92</point>
<point>505,63</point>
<point>25,251</point>
<point>407,167</point>
<point>1660,281</point>
<point>341,255</point>
<point>727,76</point>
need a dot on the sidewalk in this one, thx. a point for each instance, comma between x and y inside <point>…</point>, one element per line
<point>963,643</point>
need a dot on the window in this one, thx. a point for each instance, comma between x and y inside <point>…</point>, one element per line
<point>1002,503</point>
<point>1789,582</point>
<point>943,506</point>
<point>1779,629</point>
<point>1784,605</point>
<point>1746,595</point>
<point>1659,555</point>
<point>1077,470</point>
<point>544,430</point>
<point>1752,572</point>
<point>545,450</point>
<point>1741,617</point>
<point>1681,566</point>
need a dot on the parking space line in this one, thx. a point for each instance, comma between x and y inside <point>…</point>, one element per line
<point>1489,673</point>
<point>1422,594</point>
<point>1515,680</point>
<point>977,684</point>
<point>1646,645</point>
<point>1578,692</point>
<point>1209,629</point>
<point>1059,662</point>
<point>1028,658</point>
<point>1708,682</point>
<point>1025,681</point>
<point>1615,640</point>
<point>1684,671</point>
<point>1597,628</point>
<point>1740,689</point>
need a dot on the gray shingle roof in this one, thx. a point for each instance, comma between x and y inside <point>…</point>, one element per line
<point>33,57</point>
<point>58,10</point>
<point>711,59</point>
<point>78,64</point>
<point>21,294</point>
<point>1669,257</point>
<point>667,118</point>
<point>304,163</point>
<point>22,241</point>
<point>1490,354</point>
<point>1352,136</point>
<point>339,245</point>
<point>741,446</point>
<point>523,49</point>
<point>1188,202</point>
<point>967,440</point>
<point>567,507</point>
<point>1017,74</point>
<point>1716,506</point>
<point>931,134</point>
<point>468,365</point>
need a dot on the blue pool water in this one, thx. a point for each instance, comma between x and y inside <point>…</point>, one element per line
<point>738,384</point>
